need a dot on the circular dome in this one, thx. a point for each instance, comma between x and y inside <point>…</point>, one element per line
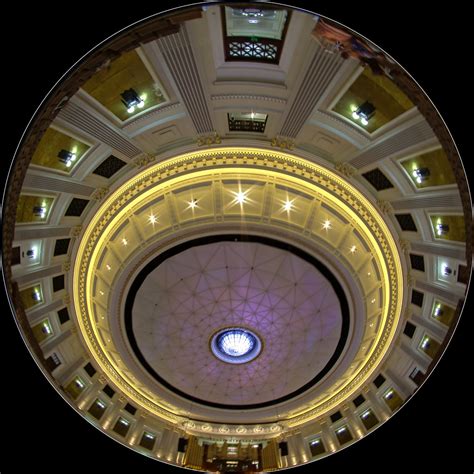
<point>237,235</point>
<point>236,345</point>
<point>192,306</point>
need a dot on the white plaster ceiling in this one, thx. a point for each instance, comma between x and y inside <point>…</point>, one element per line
<point>278,295</point>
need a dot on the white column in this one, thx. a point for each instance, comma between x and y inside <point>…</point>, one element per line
<point>137,429</point>
<point>354,421</point>
<point>329,438</point>
<point>380,408</point>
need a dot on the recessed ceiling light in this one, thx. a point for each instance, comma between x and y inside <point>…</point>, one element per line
<point>152,219</point>
<point>240,197</point>
<point>288,206</point>
<point>192,204</point>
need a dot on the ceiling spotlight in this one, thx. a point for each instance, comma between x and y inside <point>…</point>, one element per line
<point>192,204</point>
<point>31,253</point>
<point>447,270</point>
<point>364,112</point>
<point>288,206</point>
<point>421,174</point>
<point>438,311</point>
<point>353,249</point>
<point>39,211</point>
<point>45,328</point>
<point>124,241</point>
<point>240,197</point>
<point>327,224</point>
<point>67,157</point>
<point>152,219</point>
<point>131,99</point>
<point>442,229</point>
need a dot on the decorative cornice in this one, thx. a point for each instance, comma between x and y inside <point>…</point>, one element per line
<point>100,193</point>
<point>102,378</point>
<point>76,231</point>
<point>217,161</point>
<point>283,142</point>
<point>208,139</point>
<point>66,265</point>
<point>250,97</point>
<point>384,206</point>
<point>404,245</point>
<point>345,169</point>
<point>144,160</point>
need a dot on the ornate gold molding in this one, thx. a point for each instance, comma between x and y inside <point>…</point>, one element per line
<point>208,163</point>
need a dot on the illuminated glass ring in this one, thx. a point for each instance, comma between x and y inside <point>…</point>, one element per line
<point>236,345</point>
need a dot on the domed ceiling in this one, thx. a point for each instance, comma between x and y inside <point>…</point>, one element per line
<point>237,237</point>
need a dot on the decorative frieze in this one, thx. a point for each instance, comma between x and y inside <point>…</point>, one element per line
<point>345,169</point>
<point>206,140</point>
<point>100,193</point>
<point>144,160</point>
<point>384,206</point>
<point>283,142</point>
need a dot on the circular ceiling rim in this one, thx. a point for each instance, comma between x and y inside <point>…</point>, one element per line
<point>290,165</point>
<point>201,412</point>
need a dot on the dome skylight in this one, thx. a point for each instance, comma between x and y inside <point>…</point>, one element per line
<point>235,345</point>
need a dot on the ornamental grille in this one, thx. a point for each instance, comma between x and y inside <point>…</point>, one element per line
<point>417,262</point>
<point>377,179</point>
<point>236,125</point>
<point>109,167</point>
<point>417,298</point>
<point>406,222</point>
<point>58,283</point>
<point>61,247</point>
<point>409,329</point>
<point>249,49</point>
<point>63,315</point>
<point>76,207</point>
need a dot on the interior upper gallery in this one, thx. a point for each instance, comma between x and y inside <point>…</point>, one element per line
<point>237,237</point>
